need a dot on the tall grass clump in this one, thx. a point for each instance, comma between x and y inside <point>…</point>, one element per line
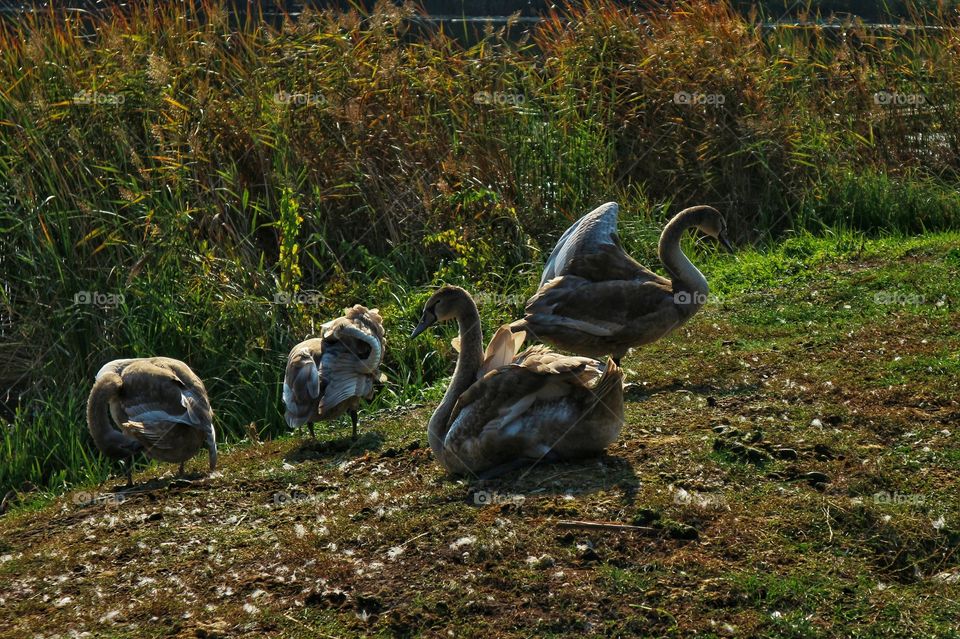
<point>178,180</point>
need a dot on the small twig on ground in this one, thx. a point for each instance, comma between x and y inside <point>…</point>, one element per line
<point>413,539</point>
<point>599,525</point>
<point>826,511</point>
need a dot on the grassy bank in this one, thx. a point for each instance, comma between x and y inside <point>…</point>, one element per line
<point>172,184</point>
<point>792,454</point>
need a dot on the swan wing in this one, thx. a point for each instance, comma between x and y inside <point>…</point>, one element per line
<point>155,390</point>
<point>500,351</point>
<point>609,262</point>
<point>601,309</point>
<point>597,227</point>
<point>340,378</point>
<point>517,411</point>
<point>591,249</point>
<point>155,436</point>
<point>301,381</point>
<point>542,360</point>
<point>350,357</point>
<point>116,366</point>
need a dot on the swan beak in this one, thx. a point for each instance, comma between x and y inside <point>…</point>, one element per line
<point>726,243</point>
<point>425,322</point>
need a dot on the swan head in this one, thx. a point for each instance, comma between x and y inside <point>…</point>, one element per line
<point>442,306</point>
<point>711,222</point>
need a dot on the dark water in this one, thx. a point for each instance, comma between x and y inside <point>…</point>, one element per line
<point>468,20</point>
<point>769,12</point>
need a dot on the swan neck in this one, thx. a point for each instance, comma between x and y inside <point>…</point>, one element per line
<point>98,421</point>
<point>469,360</point>
<point>685,276</point>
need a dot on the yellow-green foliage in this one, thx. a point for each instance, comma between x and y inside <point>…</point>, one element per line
<point>208,172</point>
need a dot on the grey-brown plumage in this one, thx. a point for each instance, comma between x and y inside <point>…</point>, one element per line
<point>328,376</point>
<point>160,408</point>
<point>595,300</point>
<point>503,409</point>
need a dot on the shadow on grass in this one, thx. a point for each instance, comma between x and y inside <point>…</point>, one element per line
<point>638,393</point>
<point>323,448</point>
<point>551,478</point>
<point>106,497</point>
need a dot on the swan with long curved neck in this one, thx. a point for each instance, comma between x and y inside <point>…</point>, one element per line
<point>160,408</point>
<point>594,299</point>
<point>327,376</point>
<point>503,410</point>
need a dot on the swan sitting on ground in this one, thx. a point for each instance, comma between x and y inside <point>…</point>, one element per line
<point>502,410</point>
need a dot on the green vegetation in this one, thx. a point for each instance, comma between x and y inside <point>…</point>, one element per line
<point>172,183</point>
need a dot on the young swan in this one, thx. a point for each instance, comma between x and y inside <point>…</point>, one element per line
<point>327,376</point>
<point>596,300</point>
<point>502,411</point>
<point>160,407</point>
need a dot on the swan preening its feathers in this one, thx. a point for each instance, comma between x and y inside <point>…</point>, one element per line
<point>595,300</point>
<point>502,409</point>
<point>327,376</point>
<point>160,408</point>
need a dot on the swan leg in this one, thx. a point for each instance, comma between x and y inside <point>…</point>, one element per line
<point>355,418</point>
<point>128,465</point>
<point>313,434</point>
<point>180,472</point>
<point>212,451</point>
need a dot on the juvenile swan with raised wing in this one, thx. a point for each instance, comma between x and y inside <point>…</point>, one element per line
<point>595,300</point>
